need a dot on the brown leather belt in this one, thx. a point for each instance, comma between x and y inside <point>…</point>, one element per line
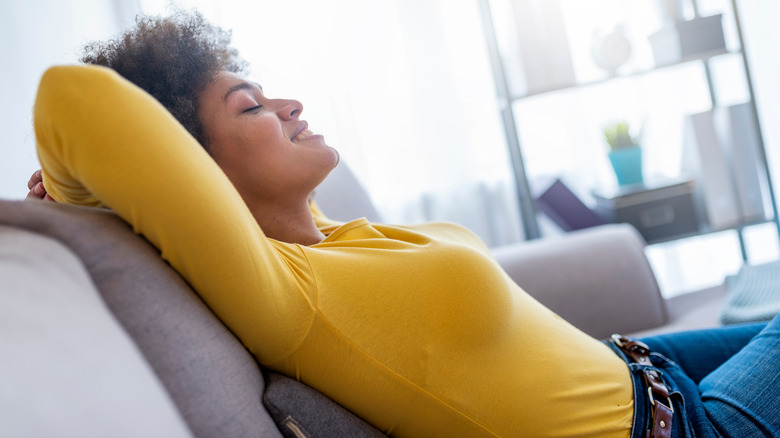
<point>661,409</point>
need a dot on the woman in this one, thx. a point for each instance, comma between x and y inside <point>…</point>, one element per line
<point>416,329</point>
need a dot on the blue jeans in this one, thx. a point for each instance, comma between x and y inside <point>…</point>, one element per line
<point>725,382</point>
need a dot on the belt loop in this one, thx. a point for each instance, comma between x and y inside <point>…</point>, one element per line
<point>661,408</point>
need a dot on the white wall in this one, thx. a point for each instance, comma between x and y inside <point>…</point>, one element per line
<point>760,20</point>
<point>35,34</point>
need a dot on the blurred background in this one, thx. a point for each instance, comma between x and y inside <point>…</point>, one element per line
<point>466,110</point>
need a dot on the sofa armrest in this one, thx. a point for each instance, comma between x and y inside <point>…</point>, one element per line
<point>68,367</point>
<point>598,279</point>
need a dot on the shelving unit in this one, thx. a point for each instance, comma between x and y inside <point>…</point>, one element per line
<point>703,57</point>
<point>506,101</point>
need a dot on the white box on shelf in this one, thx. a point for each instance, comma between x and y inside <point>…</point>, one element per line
<point>682,40</point>
<point>703,157</point>
<point>541,51</point>
<point>741,145</point>
<point>659,209</point>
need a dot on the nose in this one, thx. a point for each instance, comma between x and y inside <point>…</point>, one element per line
<point>289,109</point>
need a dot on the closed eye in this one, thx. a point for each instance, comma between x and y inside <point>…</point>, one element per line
<point>252,109</point>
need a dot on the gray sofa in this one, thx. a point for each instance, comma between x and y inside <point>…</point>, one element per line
<point>100,337</point>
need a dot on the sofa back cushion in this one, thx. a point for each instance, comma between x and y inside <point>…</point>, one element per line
<point>215,383</point>
<point>68,369</point>
<point>342,196</point>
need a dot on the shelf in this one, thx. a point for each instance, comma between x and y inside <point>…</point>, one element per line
<point>703,231</point>
<point>704,56</point>
<point>514,124</point>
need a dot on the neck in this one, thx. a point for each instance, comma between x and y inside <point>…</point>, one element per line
<point>291,223</point>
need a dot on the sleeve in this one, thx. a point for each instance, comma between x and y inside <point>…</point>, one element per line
<point>102,140</point>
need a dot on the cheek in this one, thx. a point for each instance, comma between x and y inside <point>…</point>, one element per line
<point>264,131</point>
<point>249,155</point>
<point>235,141</point>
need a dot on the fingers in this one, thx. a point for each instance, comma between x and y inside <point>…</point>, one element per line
<point>36,178</point>
<point>37,192</point>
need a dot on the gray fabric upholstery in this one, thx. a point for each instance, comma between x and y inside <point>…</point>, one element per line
<point>213,380</point>
<point>301,411</point>
<point>64,360</point>
<point>342,197</point>
<point>752,294</point>
<point>691,311</point>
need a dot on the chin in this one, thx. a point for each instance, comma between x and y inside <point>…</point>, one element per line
<point>337,159</point>
<point>328,169</point>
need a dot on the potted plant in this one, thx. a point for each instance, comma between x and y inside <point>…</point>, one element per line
<point>625,153</point>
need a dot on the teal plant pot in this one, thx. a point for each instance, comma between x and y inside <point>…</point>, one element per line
<point>627,163</point>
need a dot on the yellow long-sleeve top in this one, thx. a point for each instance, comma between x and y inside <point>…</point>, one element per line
<point>416,329</point>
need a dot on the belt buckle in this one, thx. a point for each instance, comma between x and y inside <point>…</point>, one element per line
<point>661,411</point>
<point>636,350</point>
<point>618,340</point>
<point>662,416</point>
<point>654,402</point>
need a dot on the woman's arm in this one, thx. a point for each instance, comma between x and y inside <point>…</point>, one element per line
<point>104,141</point>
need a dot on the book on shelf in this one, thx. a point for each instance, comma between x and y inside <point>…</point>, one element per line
<point>565,209</point>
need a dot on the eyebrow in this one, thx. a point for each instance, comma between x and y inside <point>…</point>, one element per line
<point>241,86</point>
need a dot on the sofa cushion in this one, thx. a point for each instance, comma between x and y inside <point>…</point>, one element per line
<point>752,294</point>
<point>68,367</point>
<point>300,411</point>
<point>215,383</point>
<point>342,197</point>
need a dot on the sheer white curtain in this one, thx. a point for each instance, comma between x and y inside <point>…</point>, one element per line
<point>402,88</point>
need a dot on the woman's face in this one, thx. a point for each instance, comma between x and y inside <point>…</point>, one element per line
<point>263,146</point>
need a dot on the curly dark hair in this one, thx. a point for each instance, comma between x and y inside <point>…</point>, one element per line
<point>172,58</point>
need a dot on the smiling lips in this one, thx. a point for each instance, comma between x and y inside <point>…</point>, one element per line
<point>302,131</point>
<point>303,134</point>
